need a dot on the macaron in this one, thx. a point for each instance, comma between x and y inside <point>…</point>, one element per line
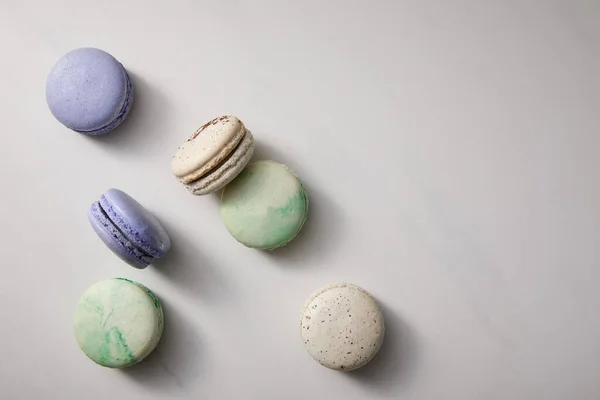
<point>128,229</point>
<point>118,322</point>
<point>342,326</point>
<point>89,91</point>
<point>214,155</point>
<point>265,206</point>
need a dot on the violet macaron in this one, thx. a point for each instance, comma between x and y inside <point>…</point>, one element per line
<point>89,91</point>
<point>128,229</point>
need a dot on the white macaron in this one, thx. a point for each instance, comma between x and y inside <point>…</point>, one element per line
<point>342,326</point>
<point>214,155</point>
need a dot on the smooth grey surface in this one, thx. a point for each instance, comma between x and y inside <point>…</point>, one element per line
<point>450,151</point>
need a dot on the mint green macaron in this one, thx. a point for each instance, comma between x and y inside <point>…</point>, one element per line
<point>118,322</point>
<point>265,206</point>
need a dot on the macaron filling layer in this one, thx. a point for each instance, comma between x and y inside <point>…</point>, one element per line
<point>131,234</point>
<point>122,114</point>
<point>119,238</point>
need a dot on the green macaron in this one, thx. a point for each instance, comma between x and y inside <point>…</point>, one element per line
<point>118,322</point>
<point>265,206</point>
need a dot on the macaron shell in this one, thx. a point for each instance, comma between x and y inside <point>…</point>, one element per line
<point>207,148</point>
<point>118,322</point>
<point>136,223</point>
<point>115,240</point>
<point>225,172</point>
<point>87,89</point>
<point>342,326</point>
<point>120,117</point>
<point>265,206</point>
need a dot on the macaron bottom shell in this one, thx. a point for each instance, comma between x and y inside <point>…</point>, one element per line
<point>118,322</point>
<point>265,206</point>
<point>342,326</point>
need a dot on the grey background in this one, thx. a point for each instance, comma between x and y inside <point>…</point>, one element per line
<point>450,150</point>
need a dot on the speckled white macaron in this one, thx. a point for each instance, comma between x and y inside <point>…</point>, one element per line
<point>342,326</point>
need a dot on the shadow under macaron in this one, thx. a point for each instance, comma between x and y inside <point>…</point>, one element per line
<point>177,360</point>
<point>141,131</point>
<point>188,267</point>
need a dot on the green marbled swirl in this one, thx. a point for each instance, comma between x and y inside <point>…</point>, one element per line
<point>118,322</point>
<point>265,206</point>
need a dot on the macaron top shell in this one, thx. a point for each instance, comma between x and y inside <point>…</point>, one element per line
<point>86,89</point>
<point>118,322</point>
<point>265,206</point>
<point>136,223</point>
<point>209,145</point>
<point>342,326</point>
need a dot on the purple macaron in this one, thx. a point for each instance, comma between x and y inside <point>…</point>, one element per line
<point>128,229</point>
<point>89,91</point>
